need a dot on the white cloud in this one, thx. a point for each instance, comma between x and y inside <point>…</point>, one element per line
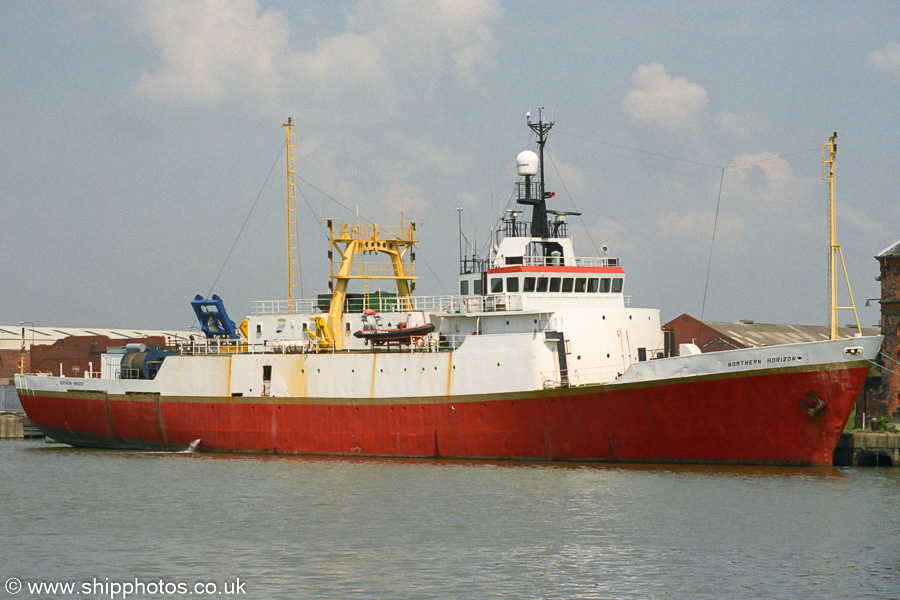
<point>430,156</point>
<point>427,37</point>
<point>867,226</point>
<point>886,59</point>
<point>742,123</point>
<point>673,103</point>
<point>764,190</point>
<point>220,50</point>
<point>698,226</point>
<point>406,198</point>
<point>574,183</point>
<point>211,49</point>
<point>775,168</point>
<point>611,233</point>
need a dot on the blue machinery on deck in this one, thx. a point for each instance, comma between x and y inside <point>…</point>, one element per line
<point>214,321</point>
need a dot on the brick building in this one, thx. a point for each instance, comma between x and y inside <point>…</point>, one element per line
<point>74,350</point>
<point>711,336</point>
<point>888,396</point>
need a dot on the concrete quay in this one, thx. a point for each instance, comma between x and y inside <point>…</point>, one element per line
<point>16,426</point>
<point>867,449</point>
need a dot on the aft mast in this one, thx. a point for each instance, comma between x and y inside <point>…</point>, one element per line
<point>829,153</point>
<point>293,246</point>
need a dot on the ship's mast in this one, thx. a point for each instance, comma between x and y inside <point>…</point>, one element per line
<point>539,224</point>
<point>293,246</point>
<point>829,152</point>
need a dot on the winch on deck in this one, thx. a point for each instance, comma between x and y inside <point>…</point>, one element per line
<point>142,362</point>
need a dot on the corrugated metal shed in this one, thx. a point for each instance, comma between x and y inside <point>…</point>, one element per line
<point>11,335</point>
<point>769,334</point>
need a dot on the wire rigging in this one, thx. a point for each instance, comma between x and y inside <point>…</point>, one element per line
<point>721,168</point>
<point>246,219</point>
<point>572,200</point>
<point>712,243</point>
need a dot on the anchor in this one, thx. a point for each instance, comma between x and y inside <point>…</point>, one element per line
<point>817,406</point>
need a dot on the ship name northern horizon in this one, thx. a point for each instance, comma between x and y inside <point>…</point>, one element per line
<point>758,361</point>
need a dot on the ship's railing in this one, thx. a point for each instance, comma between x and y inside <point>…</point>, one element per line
<point>471,265</point>
<point>204,346</point>
<point>384,303</point>
<point>282,307</point>
<point>432,304</point>
<point>591,375</point>
<point>494,303</point>
<point>434,342</point>
<point>369,231</point>
<point>578,377</point>
<point>559,261</point>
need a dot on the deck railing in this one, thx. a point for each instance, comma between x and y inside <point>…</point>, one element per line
<point>556,261</point>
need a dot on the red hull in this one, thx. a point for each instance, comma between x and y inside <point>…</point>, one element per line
<point>754,419</point>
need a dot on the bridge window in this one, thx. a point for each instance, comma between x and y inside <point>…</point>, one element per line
<point>479,288</point>
<point>593,285</point>
<point>580,284</point>
<point>529,284</point>
<point>464,288</point>
<point>554,284</point>
<point>496,285</point>
<point>567,284</point>
<point>617,285</point>
<point>604,285</point>
<point>542,284</point>
<point>512,284</point>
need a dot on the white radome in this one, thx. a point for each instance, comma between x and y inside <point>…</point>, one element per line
<point>527,162</point>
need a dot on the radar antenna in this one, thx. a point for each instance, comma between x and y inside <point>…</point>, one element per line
<point>539,224</point>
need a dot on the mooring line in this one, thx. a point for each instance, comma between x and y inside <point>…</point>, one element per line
<point>882,367</point>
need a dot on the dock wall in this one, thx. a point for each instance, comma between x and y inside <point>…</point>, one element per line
<point>867,449</point>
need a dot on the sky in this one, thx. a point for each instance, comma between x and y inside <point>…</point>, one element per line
<point>141,146</point>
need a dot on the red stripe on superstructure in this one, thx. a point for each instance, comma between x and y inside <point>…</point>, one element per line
<point>541,269</point>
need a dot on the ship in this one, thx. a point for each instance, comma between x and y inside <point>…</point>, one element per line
<point>538,357</point>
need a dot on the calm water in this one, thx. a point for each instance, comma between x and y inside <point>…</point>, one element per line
<point>346,528</point>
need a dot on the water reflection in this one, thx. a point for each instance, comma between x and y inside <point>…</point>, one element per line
<point>353,527</point>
